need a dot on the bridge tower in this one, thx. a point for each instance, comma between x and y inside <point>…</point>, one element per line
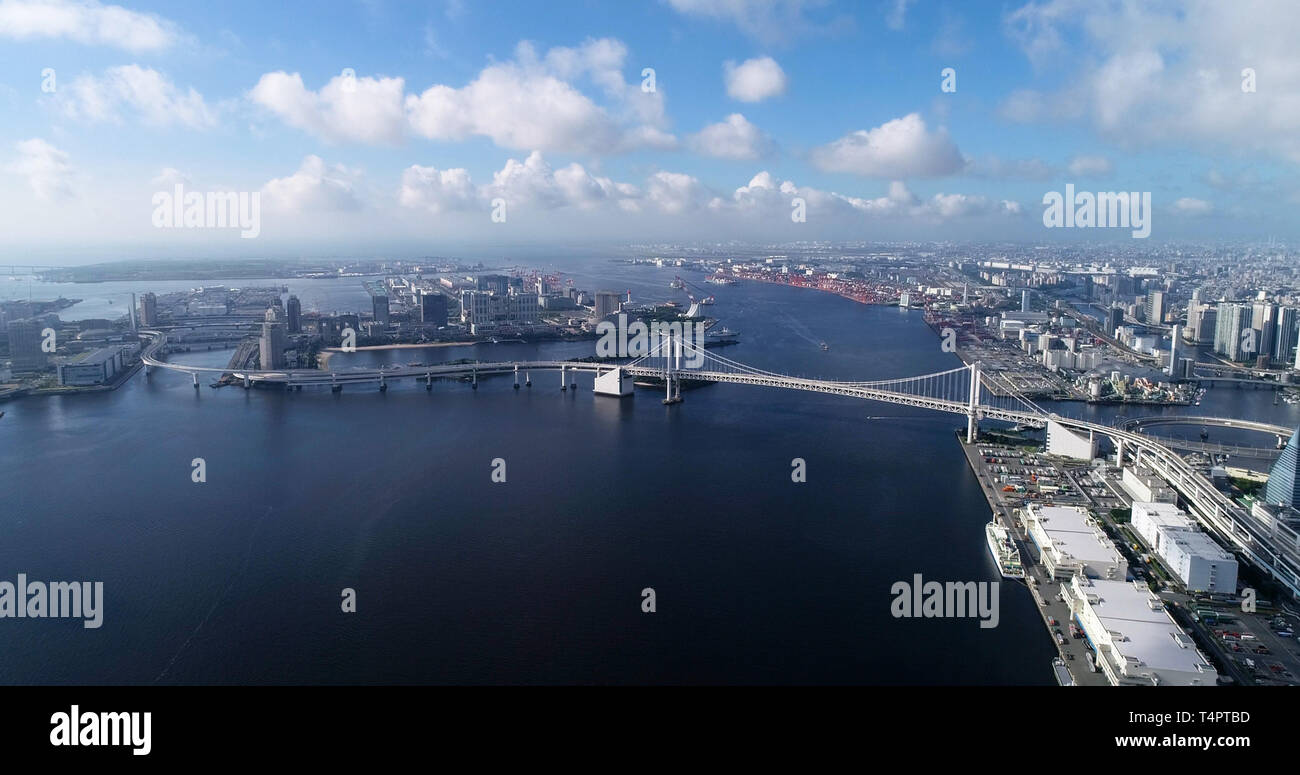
<point>972,404</point>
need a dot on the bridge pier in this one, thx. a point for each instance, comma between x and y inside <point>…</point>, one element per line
<point>528,380</point>
<point>195,376</point>
<point>248,383</point>
<point>473,385</point>
<point>516,376</point>
<point>428,381</point>
<point>564,384</point>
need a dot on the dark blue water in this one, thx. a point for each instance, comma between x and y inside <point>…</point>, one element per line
<point>758,579</point>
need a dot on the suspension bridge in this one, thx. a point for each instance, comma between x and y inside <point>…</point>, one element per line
<point>966,390</point>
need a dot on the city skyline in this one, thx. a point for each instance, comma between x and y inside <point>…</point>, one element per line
<point>385,129</point>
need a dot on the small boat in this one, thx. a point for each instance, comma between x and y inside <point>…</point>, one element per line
<point>825,346</point>
<point>1062,673</point>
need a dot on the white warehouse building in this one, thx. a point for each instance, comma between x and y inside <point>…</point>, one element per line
<point>1198,561</point>
<point>1071,542</point>
<point>1136,641</point>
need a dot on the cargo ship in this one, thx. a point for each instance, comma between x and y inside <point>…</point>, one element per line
<point>1004,551</point>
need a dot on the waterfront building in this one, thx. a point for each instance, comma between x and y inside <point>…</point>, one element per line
<point>25,353</point>
<point>379,306</point>
<point>273,341</point>
<point>1136,641</point>
<point>1155,308</point>
<point>433,308</point>
<point>293,315</point>
<point>96,367</point>
<point>486,311</point>
<point>1288,335</point>
<point>1070,542</point>
<point>1229,331</point>
<point>149,309</point>
<point>607,303</point>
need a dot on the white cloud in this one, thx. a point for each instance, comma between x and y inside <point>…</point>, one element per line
<point>901,148</point>
<point>734,138</point>
<point>170,176</point>
<point>897,15</point>
<point>46,168</point>
<point>145,92</point>
<point>528,103</point>
<point>347,109</point>
<point>428,188</point>
<point>315,187</point>
<point>754,80</point>
<point>1194,207</point>
<point>1167,73</point>
<point>85,22</point>
<point>1090,166</point>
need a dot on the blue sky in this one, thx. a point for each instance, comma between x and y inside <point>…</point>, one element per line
<point>756,102</point>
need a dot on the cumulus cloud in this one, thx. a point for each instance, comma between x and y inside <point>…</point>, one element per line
<point>1154,73</point>
<point>46,168</point>
<point>347,109</point>
<point>528,103</point>
<point>754,80</point>
<point>901,148</point>
<point>315,187</point>
<point>734,138</point>
<point>141,91</point>
<point>86,22</point>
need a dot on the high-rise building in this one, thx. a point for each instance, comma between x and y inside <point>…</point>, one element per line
<point>1283,485</point>
<point>607,303</point>
<point>1264,321</point>
<point>379,305</point>
<point>134,325</point>
<point>1114,319</point>
<point>1288,335</point>
<point>273,341</point>
<point>25,339</point>
<point>1230,337</point>
<point>293,315</point>
<point>1026,299</point>
<point>485,311</point>
<point>433,308</point>
<point>148,309</point>
<point>1155,311</point>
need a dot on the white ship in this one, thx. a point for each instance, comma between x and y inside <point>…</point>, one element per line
<point>1004,551</point>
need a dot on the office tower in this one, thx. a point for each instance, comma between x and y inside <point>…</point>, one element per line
<point>273,341</point>
<point>1288,334</point>
<point>1025,298</point>
<point>149,309</point>
<point>134,327</point>
<point>1114,319</point>
<point>1155,310</point>
<point>433,308</point>
<point>379,304</point>
<point>1283,482</point>
<point>25,351</point>
<point>607,303</point>
<point>1173,351</point>
<point>1264,321</point>
<point>293,315</point>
